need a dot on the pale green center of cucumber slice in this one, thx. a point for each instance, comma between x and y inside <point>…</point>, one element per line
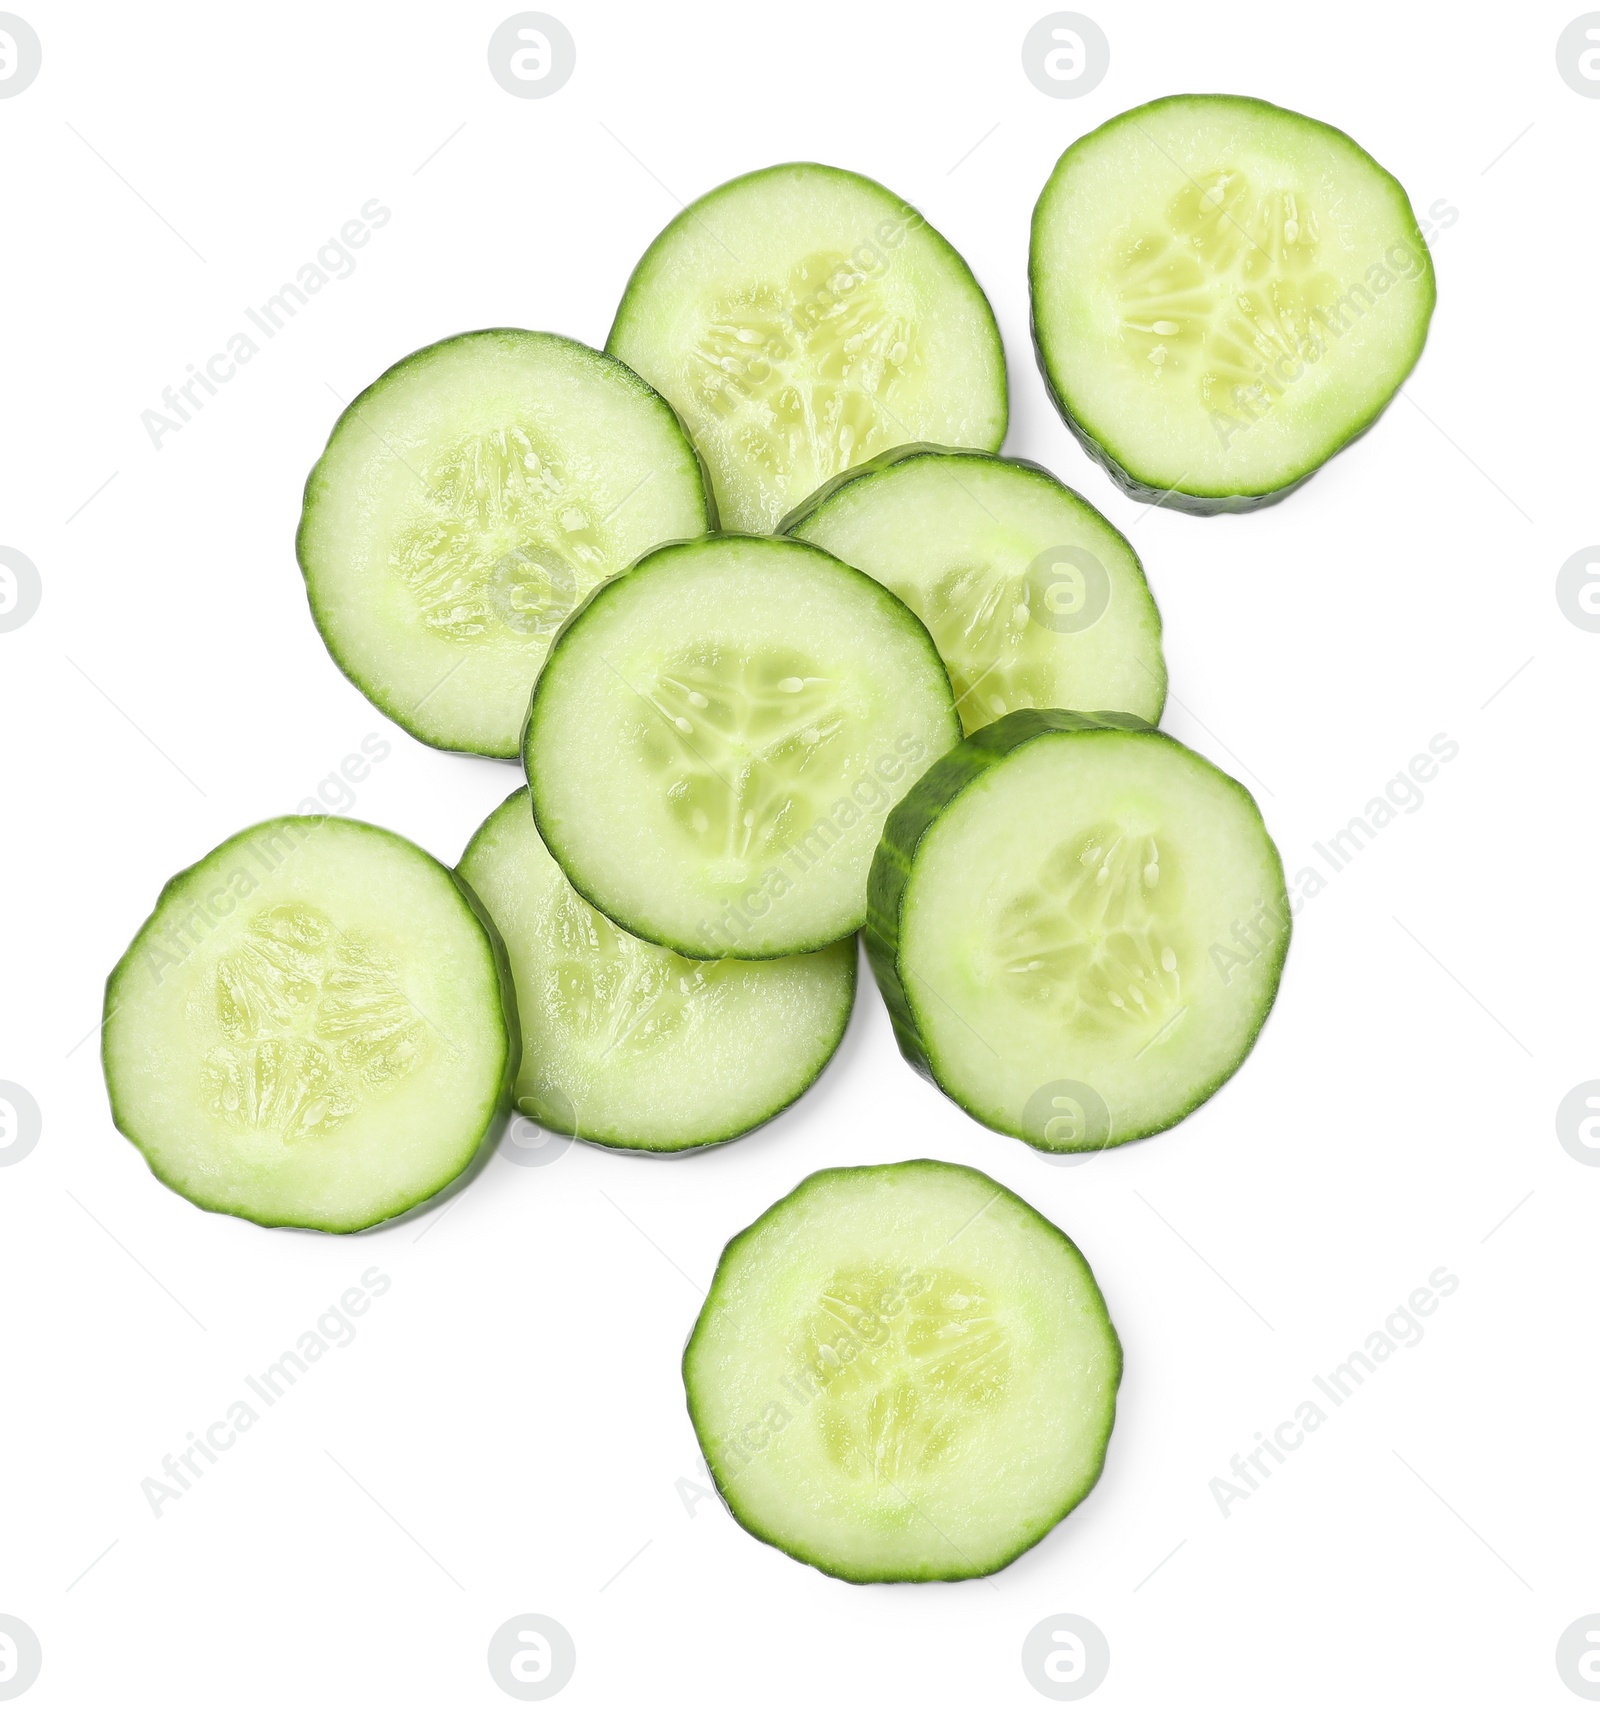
<point>997,656</point>
<point>503,542</point>
<point>1097,940</point>
<point>1227,294</point>
<point>609,989</point>
<point>929,1358</point>
<point>750,747</point>
<point>798,374</point>
<point>310,1019</point>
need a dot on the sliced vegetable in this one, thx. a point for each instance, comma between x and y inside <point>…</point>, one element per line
<point>1078,925</point>
<point>313,1029</point>
<point>803,319</point>
<point>1225,294</point>
<point>902,1374</point>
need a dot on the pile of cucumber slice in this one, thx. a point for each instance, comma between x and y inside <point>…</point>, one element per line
<point>788,651</point>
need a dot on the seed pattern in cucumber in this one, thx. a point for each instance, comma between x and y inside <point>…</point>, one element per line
<point>505,538</point>
<point>804,371</point>
<point>309,1017</point>
<point>938,1368</point>
<point>1095,938</point>
<point>1228,283</point>
<point>741,734</point>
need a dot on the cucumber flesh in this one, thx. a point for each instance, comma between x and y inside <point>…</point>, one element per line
<point>718,736</point>
<point>1034,600</point>
<point>311,1029</point>
<point>1078,926</point>
<point>465,505</point>
<point>803,319</point>
<point>627,1044</point>
<point>1225,293</point>
<point>903,1373</point>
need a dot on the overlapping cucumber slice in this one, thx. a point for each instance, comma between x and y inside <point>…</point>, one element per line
<point>1033,598</point>
<point>628,1044</point>
<point>1225,293</point>
<point>803,319</point>
<point>467,502</point>
<point>1079,926</point>
<point>903,1373</point>
<point>717,737</point>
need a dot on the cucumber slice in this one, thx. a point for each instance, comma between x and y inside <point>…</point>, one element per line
<point>903,1373</point>
<point>627,1044</point>
<point>717,737</point>
<point>802,319</point>
<point>466,503</point>
<point>1078,926</point>
<point>1224,294</point>
<point>1033,599</point>
<point>314,1027</point>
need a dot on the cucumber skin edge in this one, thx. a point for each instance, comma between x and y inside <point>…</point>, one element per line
<point>880,462</point>
<point>1022,1548</point>
<point>1177,499</point>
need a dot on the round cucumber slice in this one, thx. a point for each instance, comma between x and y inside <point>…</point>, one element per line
<point>1225,293</point>
<point>465,505</point>
<point>627,1044</point>
<point>313,1028</point>
<point>1034,600</point>
<point>903,1374</point>
<point>1078,926</point>
<point>802,319</point>
<point>717,737</point>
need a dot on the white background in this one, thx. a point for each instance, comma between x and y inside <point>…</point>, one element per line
<point>514,1402</point>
